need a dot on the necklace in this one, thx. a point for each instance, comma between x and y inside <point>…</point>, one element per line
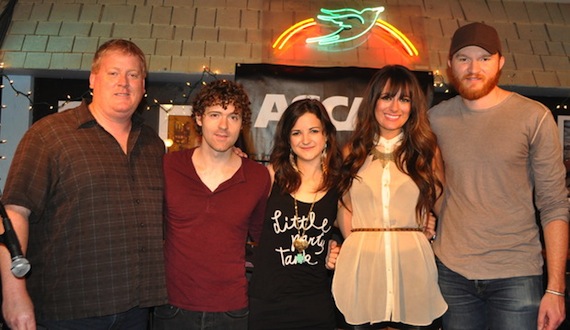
<point>301,243</point>
<point>383,156</point>
<point>387,145</point>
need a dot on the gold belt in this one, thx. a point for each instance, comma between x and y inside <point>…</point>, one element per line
<point>385,229</point>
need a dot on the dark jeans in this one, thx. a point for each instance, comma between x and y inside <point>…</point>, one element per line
<point>501,304</point>
<point>168,317</point>
<point>133,319</point>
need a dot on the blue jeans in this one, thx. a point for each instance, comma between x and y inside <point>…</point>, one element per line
<point>168,317</point>
<point>500,304</point>
<point>133,319</point>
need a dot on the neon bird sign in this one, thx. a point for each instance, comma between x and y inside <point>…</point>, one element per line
<point>346,19</point>
<point>342,17</point>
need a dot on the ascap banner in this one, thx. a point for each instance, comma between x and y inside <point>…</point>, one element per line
<point>272,88</point>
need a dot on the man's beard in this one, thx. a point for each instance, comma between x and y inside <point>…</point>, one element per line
<point>472,94</point>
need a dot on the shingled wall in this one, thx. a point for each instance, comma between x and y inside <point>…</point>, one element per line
<point>183,36</point>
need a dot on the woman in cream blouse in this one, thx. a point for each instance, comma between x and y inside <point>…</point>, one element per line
<point>392,177</point>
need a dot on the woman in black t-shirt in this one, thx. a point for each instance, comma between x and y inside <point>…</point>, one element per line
<point>290,286</point>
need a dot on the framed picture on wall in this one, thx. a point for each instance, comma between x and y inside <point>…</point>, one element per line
<point>66,105</point>
<point>564,130</point>
<point>176,127</point>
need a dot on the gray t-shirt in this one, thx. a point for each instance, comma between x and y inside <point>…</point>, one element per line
<point>497,161</point>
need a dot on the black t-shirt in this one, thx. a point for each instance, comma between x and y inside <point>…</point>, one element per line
<point>283,290</point>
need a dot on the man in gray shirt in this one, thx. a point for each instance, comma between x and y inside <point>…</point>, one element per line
<point>502,157</point>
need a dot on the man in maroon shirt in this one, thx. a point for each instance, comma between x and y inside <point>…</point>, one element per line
<point>214,199</point>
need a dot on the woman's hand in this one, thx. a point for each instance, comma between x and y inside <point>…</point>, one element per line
<point>332,254</point>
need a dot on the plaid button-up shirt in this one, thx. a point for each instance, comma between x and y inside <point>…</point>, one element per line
<point>96,238</point>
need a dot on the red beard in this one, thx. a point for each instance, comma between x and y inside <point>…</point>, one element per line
<point>467,92</point>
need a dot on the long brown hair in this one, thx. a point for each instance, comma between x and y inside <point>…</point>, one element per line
<point>286,177</point>
<point>415,155</point>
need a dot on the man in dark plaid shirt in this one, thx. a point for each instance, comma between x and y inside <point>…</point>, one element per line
<point>85,196</point>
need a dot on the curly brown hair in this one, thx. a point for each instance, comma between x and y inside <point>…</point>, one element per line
<point>222,93</point>
<point>415,155</point>
<point>286,177</point>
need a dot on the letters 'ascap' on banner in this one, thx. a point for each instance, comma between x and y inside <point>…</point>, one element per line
<point>272,88</point>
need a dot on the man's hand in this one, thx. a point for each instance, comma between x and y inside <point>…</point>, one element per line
<point>18,312</point>
<point>429,229</point>
<point>551,312</point>
<point>17,305</point>
<point>239,152</point>
<point>332,254</point>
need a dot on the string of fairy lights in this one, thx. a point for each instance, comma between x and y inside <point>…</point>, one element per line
<point>191,87</point>
<point>154,104</point>
<point>439,83</point>
<point>166,106</point>
<point>151,103</point>
<point>27,95</point>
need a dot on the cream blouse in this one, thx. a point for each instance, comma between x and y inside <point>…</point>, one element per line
<point>386,275</point>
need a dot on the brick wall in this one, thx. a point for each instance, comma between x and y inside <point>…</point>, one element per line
<point>182,36</point>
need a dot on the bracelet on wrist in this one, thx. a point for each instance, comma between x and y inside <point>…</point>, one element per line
<point>556,293</point>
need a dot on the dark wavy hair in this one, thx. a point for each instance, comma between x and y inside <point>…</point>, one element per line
<point>121,45</point>
<point>223,93</point>
<point>286,177</point>
<point>415,155</point>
